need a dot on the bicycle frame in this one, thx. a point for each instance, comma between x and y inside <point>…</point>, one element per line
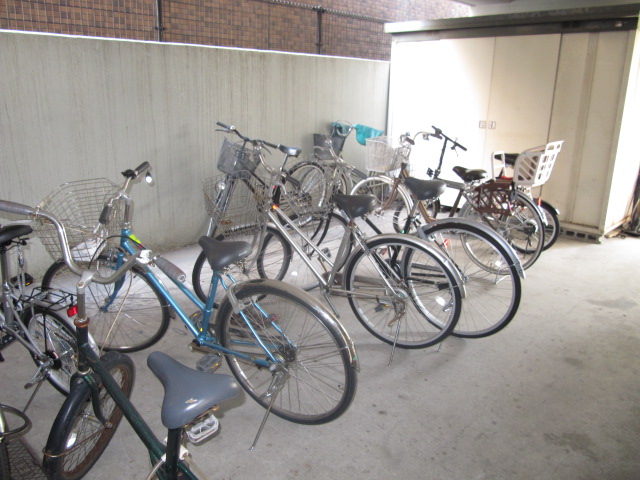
<point>200,333</point>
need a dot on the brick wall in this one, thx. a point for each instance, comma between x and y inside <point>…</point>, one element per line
<point>260,24</point>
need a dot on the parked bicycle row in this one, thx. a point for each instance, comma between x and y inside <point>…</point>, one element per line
<point>409,279</point>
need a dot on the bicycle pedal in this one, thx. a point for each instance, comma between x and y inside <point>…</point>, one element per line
<point>28,280</point>
<point>209,363</point>
<point>203,429</point>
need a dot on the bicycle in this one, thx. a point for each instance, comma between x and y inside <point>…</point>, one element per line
<point>487,265</point>
<point>248,319</point>
<point>31,318</point>
<point>101,388</point>
<point>496,203</point>
<point>283,346</point>
<point>528,170</point>
<point>401,291</point>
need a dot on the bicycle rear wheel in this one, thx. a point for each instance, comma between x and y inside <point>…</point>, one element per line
<point>314,379</point>
<point>77,438</point>
<point>423,302</point>
<point>491,282</point>
<point>127,316</point>
<point>55,338</point>
<point>523,228</point>
<point>552,227</point>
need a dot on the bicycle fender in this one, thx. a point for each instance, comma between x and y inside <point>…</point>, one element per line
<point>319,309</point>
<point>466,222</point>
<point>549,206</point>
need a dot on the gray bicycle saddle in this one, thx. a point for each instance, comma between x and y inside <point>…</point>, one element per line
<point>221,254</point>
<point>470,175</point>
<point>355,205</point>
<point>10,232</point>
<point>425,189</point>
<point>188,393</point>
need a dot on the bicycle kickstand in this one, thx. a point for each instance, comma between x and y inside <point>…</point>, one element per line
<point>38,378</point>
<point>279,378</point>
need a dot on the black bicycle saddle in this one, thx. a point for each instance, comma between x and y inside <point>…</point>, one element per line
<point>469,174</point>
<point>355,205</point>
<point>425,189</point>
<point>221,254</point>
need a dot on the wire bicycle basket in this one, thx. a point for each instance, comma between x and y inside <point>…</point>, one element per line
<point>309,195</point>
<point>236,203</point>
<point>381,156</point>
<point>78,206</point>
<point>235,157</point>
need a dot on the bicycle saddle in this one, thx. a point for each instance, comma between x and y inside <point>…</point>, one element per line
<point>355,205</point>
<point>469,174</point>
<point>425,189</point>
<point>188,393</point>
<point>10,232</point>
<point>221,254</point>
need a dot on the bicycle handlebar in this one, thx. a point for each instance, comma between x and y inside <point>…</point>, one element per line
<point>145,256</point>
<point>258,144</point>
<point>438,134</point>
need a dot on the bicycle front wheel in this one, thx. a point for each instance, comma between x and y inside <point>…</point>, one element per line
<point>55,339</point>
<point>271,261</point>
<point>402,292</point>
<point>77,438</point>
<point>392,206</point>
<point>313,379</point>
<point>127,316</point>
<point>491,281</point>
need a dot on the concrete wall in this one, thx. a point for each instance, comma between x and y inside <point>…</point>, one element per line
<point>75,107</point>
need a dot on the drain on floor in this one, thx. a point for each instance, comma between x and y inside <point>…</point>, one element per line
<point>24,465</point>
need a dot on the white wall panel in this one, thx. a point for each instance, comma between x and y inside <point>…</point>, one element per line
<point>78,107</point>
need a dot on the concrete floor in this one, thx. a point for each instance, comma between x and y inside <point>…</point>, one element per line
<point>554,396</point>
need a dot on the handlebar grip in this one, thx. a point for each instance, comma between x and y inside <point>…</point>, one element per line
<point>142,167</point>
<point>105,214</point>
<point>16,208</point>
<point>225,126</point>
<point>170,269</point>
<point>463,148</point>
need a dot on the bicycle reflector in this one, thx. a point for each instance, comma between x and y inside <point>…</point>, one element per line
<point>72,310</point>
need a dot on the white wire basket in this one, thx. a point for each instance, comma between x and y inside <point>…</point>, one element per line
<point>78,206</point>
<point>236,157</point>
<point>237,204</point>
<point>310,196</point>
<point>381,155</point>
<point>533,167</point>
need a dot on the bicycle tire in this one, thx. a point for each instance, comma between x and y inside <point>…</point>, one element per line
<point>398,203</point>
<point>77,439</point>
<point>432,299</point>
<point>326,233</point>
<point>141,312</point>
<point>523,228</point>
<point>55,337</point>
<point>272,262</point>
<point>321,375</point>
<point>492,285</point>
<point>552,226</point>
<point>311,186</point>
